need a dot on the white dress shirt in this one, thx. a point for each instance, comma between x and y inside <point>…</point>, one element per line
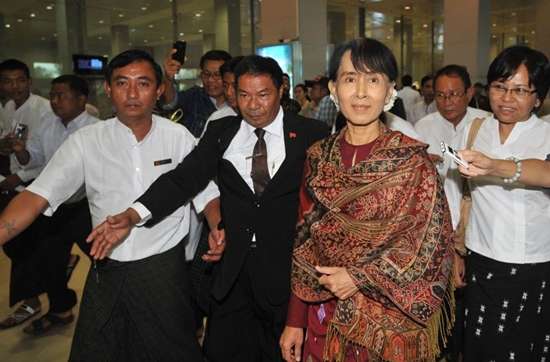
<point>410,97</point>
<point>241,148</point>
<point>116,169</point>
<point>434,128</point>
<point>31,113</point>
<point>51,134</point>
<point>508,223</point>
<point>225,111</point>
<point>421,110</point>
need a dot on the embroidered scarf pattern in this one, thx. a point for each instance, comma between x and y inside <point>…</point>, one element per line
<point>387,221</point>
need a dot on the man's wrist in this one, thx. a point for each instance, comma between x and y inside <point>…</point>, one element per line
<point>134,216</point>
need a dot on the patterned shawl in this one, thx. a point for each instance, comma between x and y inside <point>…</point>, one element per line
<point>387,221</point>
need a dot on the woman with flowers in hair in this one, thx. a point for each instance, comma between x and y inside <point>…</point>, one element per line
<point>373,255</point>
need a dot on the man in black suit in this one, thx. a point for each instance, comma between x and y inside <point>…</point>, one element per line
<point>258,163</point>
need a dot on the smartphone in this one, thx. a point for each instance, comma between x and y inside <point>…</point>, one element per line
<point>448,151</point>
<point>180,47</point>
<point>20,130</point>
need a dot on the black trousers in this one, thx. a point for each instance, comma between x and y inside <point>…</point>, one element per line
<point>70,223</point>
<point>137,311</point>
<point>244,326</point>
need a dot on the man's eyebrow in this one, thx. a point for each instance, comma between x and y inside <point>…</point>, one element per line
<point>123,77</point>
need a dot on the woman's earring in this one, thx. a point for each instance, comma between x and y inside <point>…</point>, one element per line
<point>335,101</point>
<point>391,101</point>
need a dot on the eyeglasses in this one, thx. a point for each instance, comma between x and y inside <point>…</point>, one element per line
<point>452,96</point>
<point>518,92</point>
<point>206,74</point>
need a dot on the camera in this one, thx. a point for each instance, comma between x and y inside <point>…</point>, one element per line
<point>20,130</point>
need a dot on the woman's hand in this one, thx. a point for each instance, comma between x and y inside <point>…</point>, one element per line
<point>459,271</point>
<point>479,164</point>
<point>338,281</point>
<point>291,343</point>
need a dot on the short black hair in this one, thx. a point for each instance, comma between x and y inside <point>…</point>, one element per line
<point>14,64</point>
<point>301,85</point>
<point>425,79</point>
<point>455,70</point>
<point>506,64</point>
<point>323,82</point>
<point>366,54</point>
<point>229,66</point>
<point>132,56</point>
<point>77,84</point>
<point>258,65</point>
<point>406,80</point>
<point>220,55</point>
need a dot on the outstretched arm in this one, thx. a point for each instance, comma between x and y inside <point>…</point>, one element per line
<point>533,172</point>
<point>19,214</point>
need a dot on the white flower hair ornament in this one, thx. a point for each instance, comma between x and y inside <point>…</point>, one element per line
<point>391,101</point>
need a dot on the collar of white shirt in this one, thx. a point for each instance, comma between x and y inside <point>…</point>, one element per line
<point>121,127</point>
<point>76,122</point>
<point>215,103</point>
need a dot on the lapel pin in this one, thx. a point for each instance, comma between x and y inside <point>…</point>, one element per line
<point>291,135</point>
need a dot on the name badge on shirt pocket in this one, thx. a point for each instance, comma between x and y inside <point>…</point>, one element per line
<point>162,162</point>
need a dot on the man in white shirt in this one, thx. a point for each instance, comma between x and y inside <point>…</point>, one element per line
<point>228,76</point>
<point>427,104</point>
<point>453,91</point>
<point>23,108</point>
<point>47,265</point>
<point>135,304</point>
<point>258,160</point>
<point>27,109</point>
<point>408,95</point>
<point>197,103</point>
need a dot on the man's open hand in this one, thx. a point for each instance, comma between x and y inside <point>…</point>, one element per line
<point>111,232</point>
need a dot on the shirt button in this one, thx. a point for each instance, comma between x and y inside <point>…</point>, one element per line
<point>257,203</point>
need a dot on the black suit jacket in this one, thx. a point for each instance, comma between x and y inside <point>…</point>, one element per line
<point>272,217</point>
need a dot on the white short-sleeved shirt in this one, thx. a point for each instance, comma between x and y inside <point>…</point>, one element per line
<point>434,128</point>
<point>421,110</point>
<point>116,169</point>
<point>397,123</point>
<point>410,97</point>
<point>31,113</point>
<point>508,223</point>
<point>49,137</point>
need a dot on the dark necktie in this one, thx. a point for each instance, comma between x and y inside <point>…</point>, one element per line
<point>260,173</point>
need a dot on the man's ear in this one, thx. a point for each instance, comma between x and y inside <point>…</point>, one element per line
<point>160,90</point>
<point>82,100</point>
<point>470,93</point>
<point>281,91</point>
<point>107,88</point>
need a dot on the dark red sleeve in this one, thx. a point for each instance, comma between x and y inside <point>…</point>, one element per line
<point>297,312</point>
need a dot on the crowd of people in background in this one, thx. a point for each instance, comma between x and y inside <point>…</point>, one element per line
<point>251,219</point>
